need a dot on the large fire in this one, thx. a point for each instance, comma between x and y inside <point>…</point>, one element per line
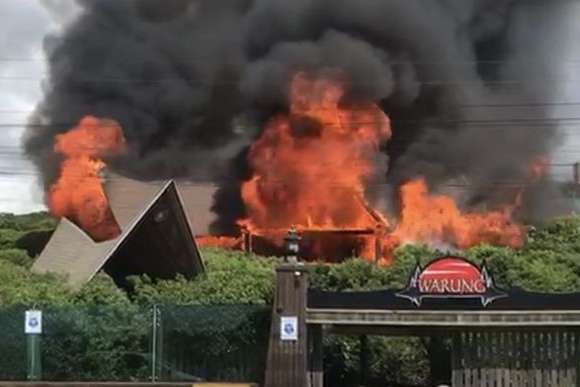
<point>78,193</point>
<point>436,219</point>
<point>310,167</point>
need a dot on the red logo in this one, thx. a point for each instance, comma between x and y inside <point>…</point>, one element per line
<point>451,277</point>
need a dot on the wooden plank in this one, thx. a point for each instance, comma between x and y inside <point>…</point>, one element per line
<point>576,358</point>
<point>553,360</point>
<point>484,360</point>
<point>429,319</point>
<point>564,348</point>
<point>525,359</point>
<point>571,358</point>
<point>456,368</point>
<point>545,360</point>
<point>517,359</point>
<point>501,356</point>
<point>510,362</point>
<point>316,366</point>
<point>476,360</point>
<point>560,375</point>
<point>496,359</point>
<point>501,364</point>
<point>466,358</point>
<point>528,359</point>
<point>568,348</point>
<point>537,347</point>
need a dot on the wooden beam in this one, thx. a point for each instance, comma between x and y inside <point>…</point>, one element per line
<point>445,319</point>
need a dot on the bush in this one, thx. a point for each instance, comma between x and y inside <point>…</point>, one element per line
<point>17,257</point>
<point>96,343</point>
<point>27,222</point>
<point>19,286</point>
<point>230,278</point>
<point>8,238</point>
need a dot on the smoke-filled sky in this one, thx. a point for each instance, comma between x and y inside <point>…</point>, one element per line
<point>255,52</point>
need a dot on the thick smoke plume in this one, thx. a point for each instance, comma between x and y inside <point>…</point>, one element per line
<point>192,82</point>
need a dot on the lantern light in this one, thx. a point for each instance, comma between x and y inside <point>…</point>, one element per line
<point>292,245</point>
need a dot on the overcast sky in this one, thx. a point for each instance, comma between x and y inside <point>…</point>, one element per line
<point>26,22</point>
<point>24,25</point>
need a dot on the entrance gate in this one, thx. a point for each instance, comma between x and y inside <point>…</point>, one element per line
<point>516,339</point>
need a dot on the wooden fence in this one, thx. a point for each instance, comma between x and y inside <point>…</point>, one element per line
<point>515,358</point>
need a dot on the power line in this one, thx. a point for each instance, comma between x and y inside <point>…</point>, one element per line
<point>533,123</point>
<point>475,82</point>
<point>204,58</point>
<point>462,106</point>
<point>200,180</point>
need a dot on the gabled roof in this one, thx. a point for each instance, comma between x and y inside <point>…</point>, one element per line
<point>156,238</point>
<point>197,203</point>
<point>197,199</point>
<point>70,251</point>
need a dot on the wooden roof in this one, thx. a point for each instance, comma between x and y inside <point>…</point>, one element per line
<point>156,238</point>
<point>124,195</point>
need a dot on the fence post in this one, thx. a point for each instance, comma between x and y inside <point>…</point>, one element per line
<point>33,355</point>
<point>156,345</point>
<point>33,331</point>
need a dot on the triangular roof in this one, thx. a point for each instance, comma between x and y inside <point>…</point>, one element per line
<point>156,238</point>
<point>127,197</point>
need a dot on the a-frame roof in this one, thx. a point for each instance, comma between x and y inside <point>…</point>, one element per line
<point>125,195</point>
<point>156,238</point>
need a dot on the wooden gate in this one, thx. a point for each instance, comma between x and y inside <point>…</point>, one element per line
<point>520,340</point>
<point>515,358</point>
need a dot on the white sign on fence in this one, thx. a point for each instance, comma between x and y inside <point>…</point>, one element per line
<point>33,322</point>
<point>289,328</point>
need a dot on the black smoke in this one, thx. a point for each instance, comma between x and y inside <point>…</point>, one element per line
<point>192,82</point>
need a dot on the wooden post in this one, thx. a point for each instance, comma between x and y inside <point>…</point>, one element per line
<point>363,360</point>
<point>316,361</point>
<point>247,241</point>
<point>287,358</point>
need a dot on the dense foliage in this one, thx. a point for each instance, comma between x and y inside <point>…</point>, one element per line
<point>112,328</point>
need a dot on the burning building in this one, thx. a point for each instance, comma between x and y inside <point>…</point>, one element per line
<point>112,223</point>
<point>366,125</point>
<point>155,237</point>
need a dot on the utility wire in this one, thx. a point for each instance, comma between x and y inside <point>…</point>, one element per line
<point>204,58</point>
<point>433,82</point>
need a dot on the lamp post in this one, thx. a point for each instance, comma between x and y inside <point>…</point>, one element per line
<point>292,246</point>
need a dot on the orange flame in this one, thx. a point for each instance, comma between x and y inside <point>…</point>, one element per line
<point>310,165</point>
<point>539,167</point>
<point>436,219</point>
<point>78,194</point>
<point>218,241</point>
